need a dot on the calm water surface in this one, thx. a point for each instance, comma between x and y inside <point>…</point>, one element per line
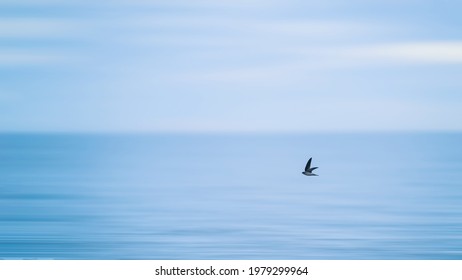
<point>378,196</point>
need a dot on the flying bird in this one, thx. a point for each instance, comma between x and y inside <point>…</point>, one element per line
<point>308,169</point>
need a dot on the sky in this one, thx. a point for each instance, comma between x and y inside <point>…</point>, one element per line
<point>230,65</point>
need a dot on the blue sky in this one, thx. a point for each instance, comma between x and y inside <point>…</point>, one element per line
<point>226,66</point>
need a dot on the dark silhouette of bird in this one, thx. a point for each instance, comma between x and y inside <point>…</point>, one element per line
<point>308,169</point>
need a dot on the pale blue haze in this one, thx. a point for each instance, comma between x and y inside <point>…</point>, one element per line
<point>221,66</point>
<point>378,196</point>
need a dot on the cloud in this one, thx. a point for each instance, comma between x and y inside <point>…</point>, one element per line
<point>21,2</point>
<point>203,3</point>
<point>254,26</point>
<point>38,3</point>
<point>38,27</point>
<point>31,58</point>
<point>311,59</point>
<point>43,36</point>
<point>433,52</point>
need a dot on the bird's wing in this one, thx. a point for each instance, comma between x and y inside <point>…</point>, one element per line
<point>311,169</point>
<point>308,165</point>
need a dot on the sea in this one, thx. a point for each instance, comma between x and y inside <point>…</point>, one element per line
<point>175,196</point>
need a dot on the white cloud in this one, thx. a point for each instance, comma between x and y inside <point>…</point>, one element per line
<point>256,27</point>
<point>47,30</point>
<point>38,27</point>
<point>31,58</point>
<point>204,3</point>
<point>447,52</point>
<point>22,2</point>
<point>325,58</point>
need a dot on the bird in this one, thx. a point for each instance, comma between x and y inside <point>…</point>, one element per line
<point>308,169</point>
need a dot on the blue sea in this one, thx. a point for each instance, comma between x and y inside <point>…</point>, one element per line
<point>231,196</point>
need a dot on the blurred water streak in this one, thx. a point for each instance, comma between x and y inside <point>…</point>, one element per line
<point>167,196</point>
